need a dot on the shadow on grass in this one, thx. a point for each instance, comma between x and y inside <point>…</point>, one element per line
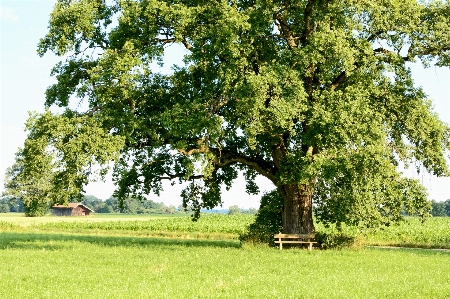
<point>414,250</point>
<point>53,241</point>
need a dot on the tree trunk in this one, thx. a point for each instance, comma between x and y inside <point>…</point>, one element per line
<point>297,210</point>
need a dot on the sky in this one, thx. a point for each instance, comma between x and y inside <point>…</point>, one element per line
<point>24,77</point>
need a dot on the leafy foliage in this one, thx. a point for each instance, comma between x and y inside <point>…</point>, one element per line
<point>335,240</point>
<point>268,220</point>
<point>36,208</point>
<point>360,198</point>
<point>57,159</point>
<point>317,96</point>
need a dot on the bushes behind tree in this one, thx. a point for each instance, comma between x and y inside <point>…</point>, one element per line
<point>268,220</point>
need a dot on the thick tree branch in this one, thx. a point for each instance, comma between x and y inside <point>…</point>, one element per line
<point>374,35</point>
<point>146,142</point>
<point>307,20</point>
<point>285,30</point>
<point>387,52</point>
<point>339,80</point>
<point>279,151</point>
<point>180,175</point>
<point>165,41</point>
<point>94,109</point>
<point>186,44</point>
<point>203,148</point>
<point>431,51</point>
<point>342,77</point>
<point>225,157</point>
<point>310,79</point>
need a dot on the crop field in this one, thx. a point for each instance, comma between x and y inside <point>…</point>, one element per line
<point>172,257</point>
<point>434,232</point>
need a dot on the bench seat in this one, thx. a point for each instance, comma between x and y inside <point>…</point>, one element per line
<point>295,239</point>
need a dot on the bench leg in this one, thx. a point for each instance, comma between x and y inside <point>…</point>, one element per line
<point>310,246</point>
<point>281,246</point>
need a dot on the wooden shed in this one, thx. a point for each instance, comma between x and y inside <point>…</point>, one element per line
<point>73,209</point>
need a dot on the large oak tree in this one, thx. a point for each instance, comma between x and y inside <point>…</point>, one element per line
<point>316,96</point>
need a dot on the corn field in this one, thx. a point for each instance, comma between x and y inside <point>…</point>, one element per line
<point>230,224</point>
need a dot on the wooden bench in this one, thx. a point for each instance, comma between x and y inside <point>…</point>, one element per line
<point>295,239</point>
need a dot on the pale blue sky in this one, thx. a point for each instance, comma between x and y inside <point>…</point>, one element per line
<point>24,77</point>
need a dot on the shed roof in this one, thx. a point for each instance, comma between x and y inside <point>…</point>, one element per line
<point>72,205</point>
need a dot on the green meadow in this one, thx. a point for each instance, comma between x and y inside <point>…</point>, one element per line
<point>173,257</point>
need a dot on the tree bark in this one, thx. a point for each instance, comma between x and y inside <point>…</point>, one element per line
<point>297,210</point>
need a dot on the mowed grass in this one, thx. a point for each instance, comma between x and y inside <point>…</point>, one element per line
<point>50,261</point>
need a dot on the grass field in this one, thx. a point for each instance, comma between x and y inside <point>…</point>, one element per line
<point>160,257</point>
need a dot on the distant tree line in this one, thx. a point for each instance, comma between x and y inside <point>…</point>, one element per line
<point>131,206</point>
<point>134,206</point>
<point>111,205</point>
<point>440,208</point>
<point>11,204</point>
<point>235,210</point>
